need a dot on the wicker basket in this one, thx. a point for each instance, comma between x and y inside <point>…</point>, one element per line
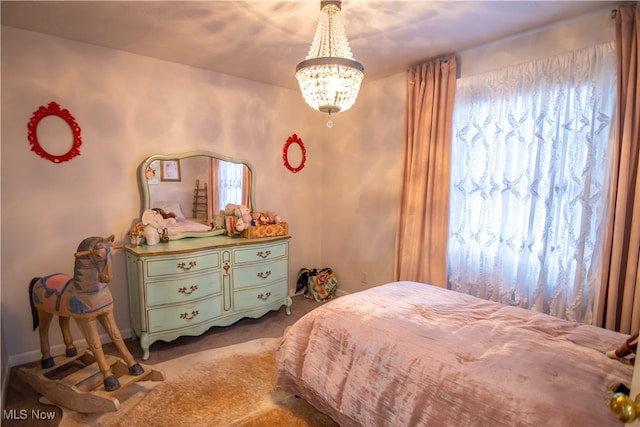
<point>268,230</point>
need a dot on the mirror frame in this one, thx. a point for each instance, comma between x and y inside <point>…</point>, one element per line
<point>145,197</point>
<point>53,109</point>
<point>294,139</point>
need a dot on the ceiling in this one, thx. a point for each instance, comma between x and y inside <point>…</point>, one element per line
<point>265,40</point>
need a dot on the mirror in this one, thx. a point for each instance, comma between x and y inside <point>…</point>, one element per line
<point>195,186</point>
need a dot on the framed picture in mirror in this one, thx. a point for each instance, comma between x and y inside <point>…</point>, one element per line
<point>170,170</point>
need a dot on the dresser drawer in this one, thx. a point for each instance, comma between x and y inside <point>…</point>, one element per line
<point>183,289</point>
<point>157,267</point>
<point>184,315</point>
<point>262,253</point>
<point>259,274</point>
<point>249,299</point>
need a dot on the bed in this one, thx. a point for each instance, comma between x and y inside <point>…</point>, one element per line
<point>186,225</point>
<point>409,354</point>
<point>183,226</point>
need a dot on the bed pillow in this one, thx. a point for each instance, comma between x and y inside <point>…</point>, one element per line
<point>170,207</point>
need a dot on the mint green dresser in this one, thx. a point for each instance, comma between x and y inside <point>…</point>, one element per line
<point>186,286</point>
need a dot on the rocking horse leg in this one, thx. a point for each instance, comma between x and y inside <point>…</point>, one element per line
<point>43,331</point>
<point>70,349</point>
<point>108,322</point>
<point>90,331</point>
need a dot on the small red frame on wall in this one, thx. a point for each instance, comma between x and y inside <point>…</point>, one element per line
<point>53,109</point>
<point>294,139</point>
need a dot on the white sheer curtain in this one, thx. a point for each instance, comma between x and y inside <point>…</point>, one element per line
<point>230,181</point>
<point>529,167</point>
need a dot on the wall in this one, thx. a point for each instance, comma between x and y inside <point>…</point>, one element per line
<point>342,207</point>
<point>363,152</point>
<point>578,33</point>
<point>129,107</point>
<point>362,176</point>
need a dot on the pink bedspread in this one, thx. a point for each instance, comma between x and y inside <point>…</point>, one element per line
<point>409,354</point>
<point>183,225</point>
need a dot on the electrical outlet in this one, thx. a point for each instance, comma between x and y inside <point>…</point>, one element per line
<point>363,277</point>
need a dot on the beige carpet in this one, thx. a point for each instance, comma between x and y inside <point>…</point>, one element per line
<point>229,386</point>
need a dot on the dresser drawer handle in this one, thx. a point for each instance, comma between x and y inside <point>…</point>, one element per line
<point>192,289</point>
<point>185,267</point>
<point>188,316</point>
<point>264,254</point>
<point>265,274</point>
<point>264,297</point>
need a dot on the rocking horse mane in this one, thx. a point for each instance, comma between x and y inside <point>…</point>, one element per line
<point>85,245</point>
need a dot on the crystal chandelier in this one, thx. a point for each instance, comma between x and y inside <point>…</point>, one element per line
<point>329,77</point>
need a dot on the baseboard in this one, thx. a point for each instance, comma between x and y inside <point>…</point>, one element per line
<point>341,293</point>
<point>34,356</point>
<point>6,369</point>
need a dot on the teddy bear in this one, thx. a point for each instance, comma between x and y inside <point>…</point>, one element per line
<point>243,217</point>
<point>154,225</point>
<point>263,219</point>
<point>241,214</point>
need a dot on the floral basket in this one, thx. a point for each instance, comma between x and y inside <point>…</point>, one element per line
<point>136,234</point>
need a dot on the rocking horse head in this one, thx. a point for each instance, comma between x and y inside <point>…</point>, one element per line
<point>93,260</point>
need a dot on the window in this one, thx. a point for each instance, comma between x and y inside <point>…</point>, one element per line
<point>230,183</point>
<point>528,179</point>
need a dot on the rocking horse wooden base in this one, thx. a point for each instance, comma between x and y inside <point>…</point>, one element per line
<point>76,382</point>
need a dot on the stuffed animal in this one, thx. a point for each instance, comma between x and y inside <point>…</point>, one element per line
<point>263,219</point>
<point>274,218</point>
<point>241,225</point>
<point>164,214</point>
<point>243,217</point>
<point>154,225</point>
<point>229,209</point>
<point>255,218</point>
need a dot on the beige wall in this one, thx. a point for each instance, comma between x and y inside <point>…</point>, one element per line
<point>342,208</point>
<point>362,175</point>
<point>129,107</point>
<point>574,34</point>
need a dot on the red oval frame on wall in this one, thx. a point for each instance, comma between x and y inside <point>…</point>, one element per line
<point>294,139</point>
<point>53,109</point>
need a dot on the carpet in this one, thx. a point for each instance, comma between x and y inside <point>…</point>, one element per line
<point>229,386</point>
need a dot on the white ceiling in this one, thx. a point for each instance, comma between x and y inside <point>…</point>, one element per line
<point>265,40</point>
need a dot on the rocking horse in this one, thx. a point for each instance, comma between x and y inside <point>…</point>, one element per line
<point>87,298</point>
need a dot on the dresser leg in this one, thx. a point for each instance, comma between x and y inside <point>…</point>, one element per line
<point>144,344</point>
<point>288,307</point>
